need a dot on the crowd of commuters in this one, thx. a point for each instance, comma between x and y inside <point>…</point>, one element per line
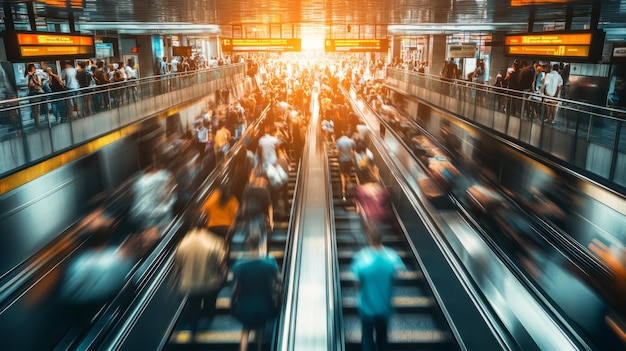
<point>84,87</point>
<point>244,203</point>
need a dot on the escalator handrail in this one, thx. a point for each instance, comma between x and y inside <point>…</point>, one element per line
<point>159,261</point>
<point>335,322</point>
<point>284,325</point>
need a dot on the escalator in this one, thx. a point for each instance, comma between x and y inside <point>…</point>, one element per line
<point>224,331</point>
<point>418,323</point>
<point>33,307</point>
<point>525,240</point>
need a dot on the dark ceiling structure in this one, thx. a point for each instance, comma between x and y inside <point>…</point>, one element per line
<point>426,14</point>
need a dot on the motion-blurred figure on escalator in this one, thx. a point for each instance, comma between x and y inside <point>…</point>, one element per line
<point>255,298</point>
<point>201,266</point>
<point>374,268</point>
<point>153,201</point>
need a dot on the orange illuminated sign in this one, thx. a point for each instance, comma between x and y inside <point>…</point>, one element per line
<point>550,50</point>
<point>264,44</point>
<point>53,39</point>
<point>75,4</point>
<point>549,39</point>
<point>536,2</point>
<point>48,45</point>
<point>582,46</point>
<point>54,50</point>
<point>356,45</point>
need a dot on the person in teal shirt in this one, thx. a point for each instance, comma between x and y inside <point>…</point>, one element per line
<point>375,267</point>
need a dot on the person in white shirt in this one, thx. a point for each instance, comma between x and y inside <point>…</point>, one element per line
<point>267,147</point>
<point>68,75</point>
<point>131,75</point>
<point>552,85</point>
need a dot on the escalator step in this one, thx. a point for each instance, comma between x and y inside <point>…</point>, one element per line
<point>405,331</point>
<point>403,277</point>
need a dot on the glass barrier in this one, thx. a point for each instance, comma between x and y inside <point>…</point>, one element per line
<point>34,127</point>
<point>588,136</point>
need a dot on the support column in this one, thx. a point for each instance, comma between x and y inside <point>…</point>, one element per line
<point>498,62</point>
<point>214,44</point>
<point>395,47</point>
<point>436,53</point>
<point>30,8</point>
<point>8,17</point>
<point>147,57</point>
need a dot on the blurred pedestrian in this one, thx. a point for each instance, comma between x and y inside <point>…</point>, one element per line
<point>154,198</point>
<point>96,273</point>
<point>374,268</point>
<point>255,297</point>
<point>201,266</point>
<point>258,211</point>
<point>221,211</point>
<point>68,75</point>
<point>345,149</point>
<point>552,85</point>
<point>35,88</point>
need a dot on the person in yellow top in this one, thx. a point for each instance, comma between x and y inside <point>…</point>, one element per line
<point>221,144</point>
<point>221,211</point>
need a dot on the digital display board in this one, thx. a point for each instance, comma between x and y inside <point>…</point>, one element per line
<point>619,50</point>
<point>75,4</point>
<point>356,45</point>
<point>48,45</point>
<point>618,55</point>
<point>536,2</point>
<point>575,46</point>
<point>181,51</point>
<point>550,50</point>
<point>267,44</point>
<point>549,39</point>
<point>104,50</point>
<point>55,50</point>
<point>462,50</point>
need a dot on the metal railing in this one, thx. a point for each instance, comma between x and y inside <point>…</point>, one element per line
<point>588,136</point>
<point>34,127</point>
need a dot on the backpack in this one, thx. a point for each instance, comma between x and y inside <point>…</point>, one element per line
<point>84,78</point>
<point>117,76</point>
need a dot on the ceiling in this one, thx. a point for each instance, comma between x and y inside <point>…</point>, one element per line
<point>320,13</point>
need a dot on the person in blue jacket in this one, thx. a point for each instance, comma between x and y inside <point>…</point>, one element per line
<point>374,268</point>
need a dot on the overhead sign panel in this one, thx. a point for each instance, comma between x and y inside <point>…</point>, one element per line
<point>356,45</point>
<point>549,39</point>
<point>48,45</point>
<point>575,46</point>
<point>104,50</point>
<point>619,50</point>
<point>536,2</point>
<point>462,50</point>
<point>55,50</point>
<point>267,44</point>
<point>181,51</point>
<point>619,53</point>
<point>53,39</point>
<point>550,50</point>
